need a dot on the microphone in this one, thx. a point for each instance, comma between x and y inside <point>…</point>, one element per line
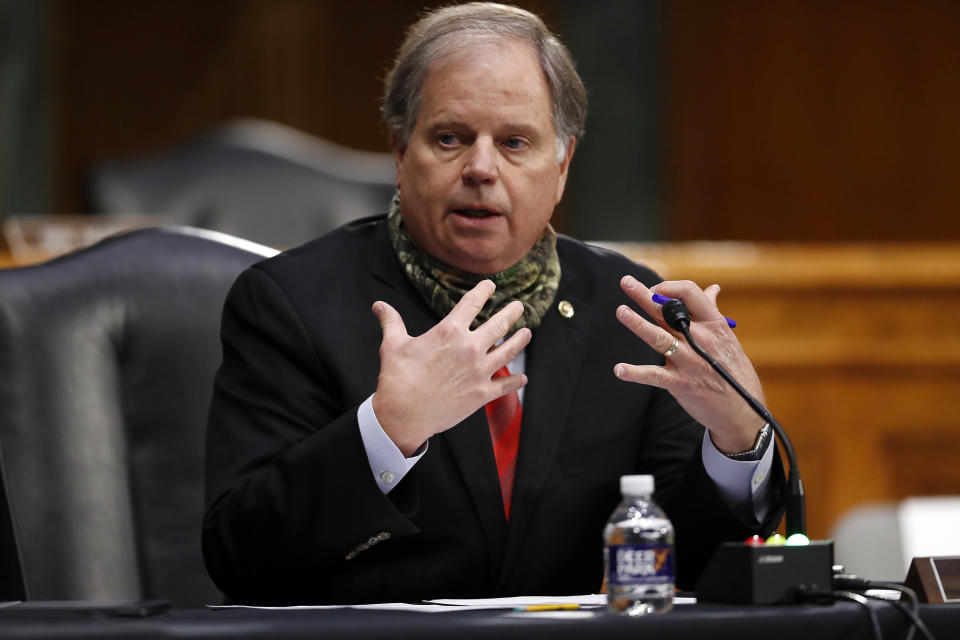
<point>748,574</point>
<point>677,317</point>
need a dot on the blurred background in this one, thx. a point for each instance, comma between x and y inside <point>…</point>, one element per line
<point>814,144</point>
<point>800,121</point>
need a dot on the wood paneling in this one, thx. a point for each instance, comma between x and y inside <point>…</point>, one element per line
<point>813,120</point>
<point>783,121</point>
<point>133,78</point>
<point>858,349</point>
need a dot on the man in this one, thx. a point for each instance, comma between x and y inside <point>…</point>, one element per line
<point>351,455</point>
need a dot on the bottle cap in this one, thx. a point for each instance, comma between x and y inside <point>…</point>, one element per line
<point>636,485</point>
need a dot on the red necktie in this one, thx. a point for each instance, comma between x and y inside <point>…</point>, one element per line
<point>504,415</point>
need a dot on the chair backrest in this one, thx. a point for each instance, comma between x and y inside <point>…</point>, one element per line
<point>12,585</point>
<point>108,356</point>
<point>256,179</point>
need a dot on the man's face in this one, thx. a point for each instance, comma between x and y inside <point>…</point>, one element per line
<point>479,177</point>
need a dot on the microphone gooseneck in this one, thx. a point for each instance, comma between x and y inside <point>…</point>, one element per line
<point>678,318</point>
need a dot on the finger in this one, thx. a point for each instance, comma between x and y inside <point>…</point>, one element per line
<point>391,324</point>
<point>506,384</point>
<point>700,305</point>
<point>712,292</point>
<point>506,352</point>
<point>471,303</point>
<point>658,338</point>
<point>645,374</point>
<point>499,324</point>
<point>643,296</point>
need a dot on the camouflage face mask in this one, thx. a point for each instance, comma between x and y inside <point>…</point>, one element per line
<point>533,280</point>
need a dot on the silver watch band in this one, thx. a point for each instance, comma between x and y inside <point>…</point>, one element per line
<point>759,447</point>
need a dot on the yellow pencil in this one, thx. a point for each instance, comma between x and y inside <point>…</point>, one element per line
<point>571,606</point>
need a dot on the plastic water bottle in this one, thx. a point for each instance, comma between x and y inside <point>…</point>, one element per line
<point>638,552</point>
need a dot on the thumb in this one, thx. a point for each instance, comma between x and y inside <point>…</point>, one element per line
<point>391,324</point>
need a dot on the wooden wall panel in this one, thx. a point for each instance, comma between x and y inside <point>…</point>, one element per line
<point>816,120</point>
<point>133,78</point>
<point>783,121</point>
<point>910,457</point>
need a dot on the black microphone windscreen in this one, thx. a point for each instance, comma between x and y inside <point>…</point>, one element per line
<point>676,315</point>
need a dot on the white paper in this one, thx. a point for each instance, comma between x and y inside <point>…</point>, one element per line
<point>591,600</point>
<point>446,605</point>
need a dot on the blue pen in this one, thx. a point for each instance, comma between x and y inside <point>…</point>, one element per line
<point>659,299</point>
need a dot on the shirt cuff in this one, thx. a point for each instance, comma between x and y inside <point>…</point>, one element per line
<point>386,460</point>
<point>743,484</point>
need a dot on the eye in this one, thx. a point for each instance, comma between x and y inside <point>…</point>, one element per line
<point>515,143</point>
<point>447,139</point>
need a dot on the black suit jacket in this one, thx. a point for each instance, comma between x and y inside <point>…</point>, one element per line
<point>294,514</point>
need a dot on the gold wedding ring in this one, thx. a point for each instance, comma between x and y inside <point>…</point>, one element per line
<point>673,348</point>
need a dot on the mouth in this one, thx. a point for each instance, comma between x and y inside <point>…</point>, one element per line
<point>475,213</point>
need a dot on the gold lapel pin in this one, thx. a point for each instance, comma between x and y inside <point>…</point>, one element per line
<point>565,309</point>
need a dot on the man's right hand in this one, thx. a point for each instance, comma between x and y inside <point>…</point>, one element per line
<point>432,382</point>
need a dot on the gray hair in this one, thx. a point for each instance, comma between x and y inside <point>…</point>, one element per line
<point>434,35</point>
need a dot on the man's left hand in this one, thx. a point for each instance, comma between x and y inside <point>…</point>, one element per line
<point>689,378</point>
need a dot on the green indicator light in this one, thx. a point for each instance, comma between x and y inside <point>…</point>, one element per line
<point>798,540</point>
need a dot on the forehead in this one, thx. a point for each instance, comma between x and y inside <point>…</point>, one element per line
<point>486,76</point>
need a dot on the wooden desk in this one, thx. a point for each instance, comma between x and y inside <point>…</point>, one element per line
<point>858,348</point>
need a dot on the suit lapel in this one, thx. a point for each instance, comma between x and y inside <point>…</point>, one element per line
<point>468,442</point>
<point>554,357</point>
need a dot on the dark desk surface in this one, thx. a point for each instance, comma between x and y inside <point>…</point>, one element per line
<point>842,621</point>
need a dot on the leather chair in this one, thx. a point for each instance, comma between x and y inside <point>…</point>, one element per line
<point>11,573</point>
<point>256,179</point>
<point>108,356</point>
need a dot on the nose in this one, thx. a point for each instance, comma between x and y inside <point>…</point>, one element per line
<point>480,165</point>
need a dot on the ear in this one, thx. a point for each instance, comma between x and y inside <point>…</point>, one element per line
<point>565,167</point>
<point>398,151</point>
